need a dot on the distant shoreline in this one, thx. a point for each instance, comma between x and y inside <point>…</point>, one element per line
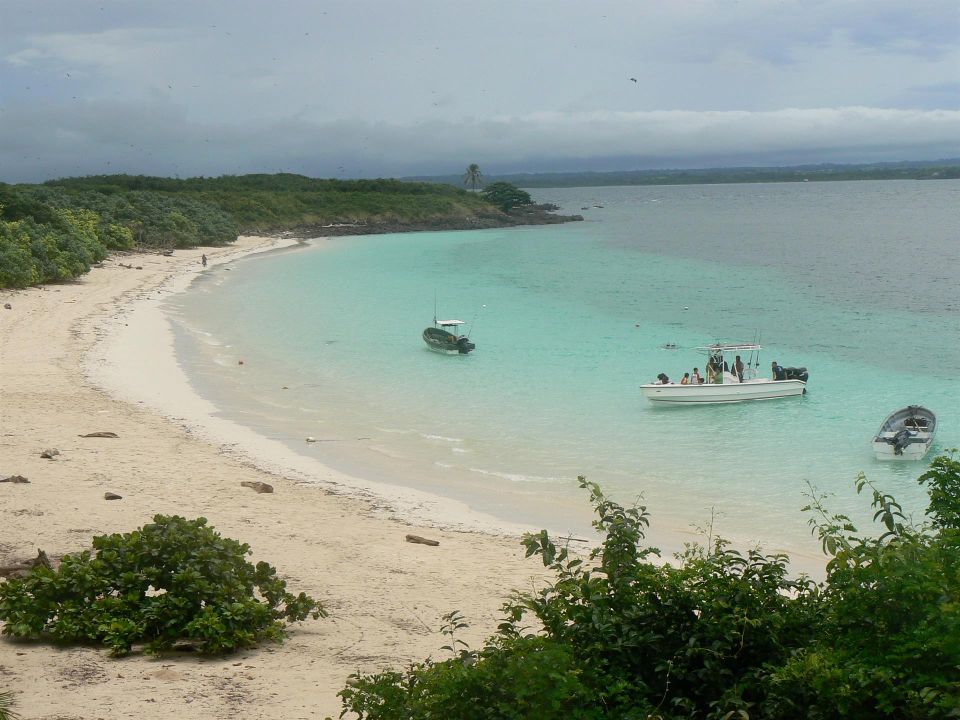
<point>948,169</point>
<point>532,215</point>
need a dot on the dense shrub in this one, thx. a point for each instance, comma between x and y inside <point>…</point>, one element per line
<point>173,579</point>
<point>72,222</point>
<point>718,634</point>
<point>505,196</point>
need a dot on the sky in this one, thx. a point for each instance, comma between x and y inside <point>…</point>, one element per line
<point>394,88</point>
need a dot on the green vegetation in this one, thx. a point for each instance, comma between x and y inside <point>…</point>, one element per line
<point>56,231</point>
<point>6,706</point>
<point>171,580</point>
<point>719,635</point>
<point>506,196</point>
<point>270,203</point>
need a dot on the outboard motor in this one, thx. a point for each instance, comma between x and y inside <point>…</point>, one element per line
<point>900,441</point>
<point>793,373</point>
<point>464,345</point>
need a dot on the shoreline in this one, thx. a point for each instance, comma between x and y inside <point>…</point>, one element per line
<point>385,596</point>
<point>142,328</point>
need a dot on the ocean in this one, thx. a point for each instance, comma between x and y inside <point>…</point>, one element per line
<point>856,281</point>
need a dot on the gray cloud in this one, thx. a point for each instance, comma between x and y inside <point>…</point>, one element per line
<point>366,88</point>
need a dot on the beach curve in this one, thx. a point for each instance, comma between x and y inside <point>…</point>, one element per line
<point>66,351</point>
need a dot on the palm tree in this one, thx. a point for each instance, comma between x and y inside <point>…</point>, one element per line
<point>472,176</point>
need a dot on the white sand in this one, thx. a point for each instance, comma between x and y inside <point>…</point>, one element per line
<point>341,542</point>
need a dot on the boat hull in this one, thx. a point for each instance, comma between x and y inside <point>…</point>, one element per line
<point>714,394</point>
<point>446,343</point>
<point>914,451</point>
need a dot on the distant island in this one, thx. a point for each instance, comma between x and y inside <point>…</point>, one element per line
<point>910,170</point>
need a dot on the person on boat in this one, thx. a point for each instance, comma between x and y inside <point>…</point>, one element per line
<point>778,372</point>
<point>663,379</point>
<point>738,368</point>
<point>715,369</point>
<point>695,379</point>
<point>685,380</point>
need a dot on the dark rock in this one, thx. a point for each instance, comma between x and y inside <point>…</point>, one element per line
<point>14,479</point>
<point>260,487</point>
<point>112,496</point>
<point>8,306</point>
<point>23,569</point>
<point>103,434</point>
<point>49,453</point>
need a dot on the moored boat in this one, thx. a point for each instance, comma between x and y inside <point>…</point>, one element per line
<point>906,434</point>
<point>725,386</point>
<point>444,337</point>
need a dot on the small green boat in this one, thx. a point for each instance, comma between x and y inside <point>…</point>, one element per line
<point>444,337</point>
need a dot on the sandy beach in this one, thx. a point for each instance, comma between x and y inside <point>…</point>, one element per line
<point>70,364</point>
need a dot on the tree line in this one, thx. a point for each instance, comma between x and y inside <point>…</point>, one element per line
<point>56,230</point>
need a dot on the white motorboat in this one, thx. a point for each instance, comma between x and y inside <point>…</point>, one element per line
<point>906,434</point>
<point>723,386</point>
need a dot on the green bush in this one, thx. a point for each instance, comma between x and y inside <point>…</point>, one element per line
<point>717,635</point>
<point>171,580</point>
<point>505,195</point>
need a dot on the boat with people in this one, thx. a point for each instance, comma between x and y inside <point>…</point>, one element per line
<point>727,380</point>
<point>444,337</point>
<point>906,434</point>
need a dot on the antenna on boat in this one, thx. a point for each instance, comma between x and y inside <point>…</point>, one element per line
<point>473,322</point>
<point>434,307</point>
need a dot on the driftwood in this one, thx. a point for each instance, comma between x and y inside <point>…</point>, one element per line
<point>105,434</point>
<point>260,487</point>
<point>422,540</point>
<point>22,569</point>
<point>14,479</point>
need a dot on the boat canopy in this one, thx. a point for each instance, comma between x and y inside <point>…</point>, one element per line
<point>450,322</point>
<point>733,347</point>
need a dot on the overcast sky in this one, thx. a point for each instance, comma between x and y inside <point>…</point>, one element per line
<point>367,88</point>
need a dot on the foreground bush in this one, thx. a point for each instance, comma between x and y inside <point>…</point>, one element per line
<point>6,707</point>
<point>718,635</point>
<point>171,580</point>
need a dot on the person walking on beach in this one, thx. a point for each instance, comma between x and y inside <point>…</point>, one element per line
<point>203,260</point>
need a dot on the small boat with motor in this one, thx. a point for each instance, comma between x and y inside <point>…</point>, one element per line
<point>444,337</point>
<point>721,385</point>
<point>906,434</point>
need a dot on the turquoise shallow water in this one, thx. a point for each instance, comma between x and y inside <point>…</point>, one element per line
<point>856,281</point>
